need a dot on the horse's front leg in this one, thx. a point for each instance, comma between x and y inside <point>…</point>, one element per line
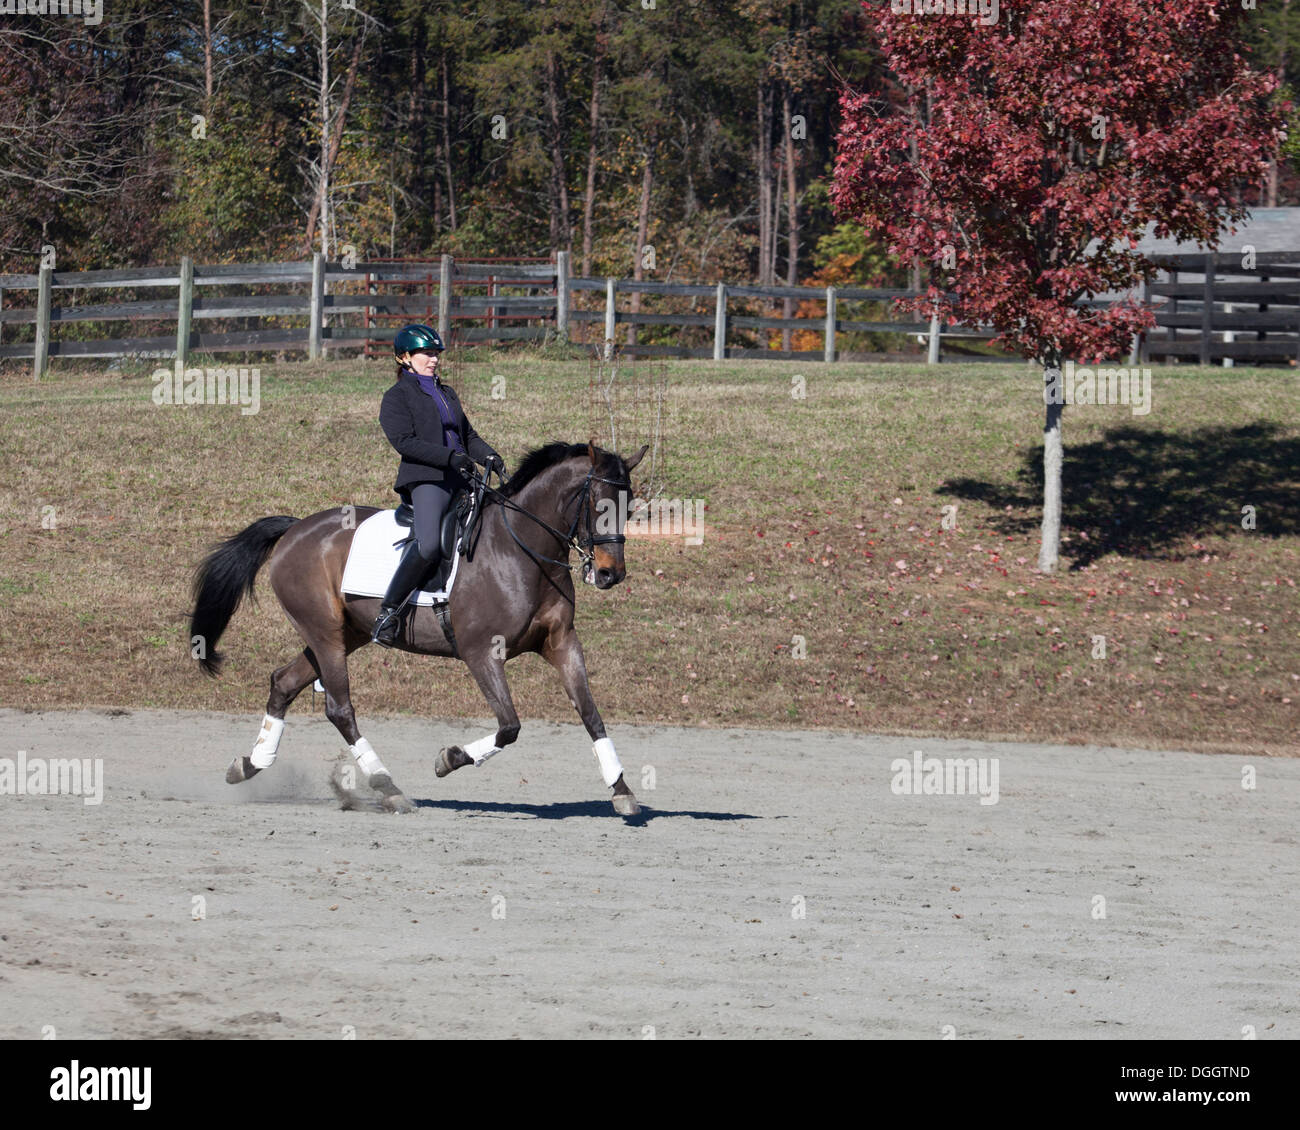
<point>564,653</point>
<point>489,672</point>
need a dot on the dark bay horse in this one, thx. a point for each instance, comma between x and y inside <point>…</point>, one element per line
<point>514,595</point>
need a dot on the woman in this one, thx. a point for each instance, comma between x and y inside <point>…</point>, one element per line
<point>424,421</point>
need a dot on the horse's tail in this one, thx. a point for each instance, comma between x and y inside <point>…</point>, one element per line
<point>224,579</point>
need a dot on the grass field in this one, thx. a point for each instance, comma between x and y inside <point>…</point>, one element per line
<point>827,591</point>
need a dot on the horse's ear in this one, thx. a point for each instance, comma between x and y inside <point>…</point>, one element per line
<point>591,450</point>
<point>629,464</point>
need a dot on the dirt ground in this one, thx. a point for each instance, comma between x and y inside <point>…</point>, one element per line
<point>775,886</point>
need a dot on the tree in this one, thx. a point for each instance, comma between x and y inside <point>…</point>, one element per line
<point>1273,33</point>
<point>1033,155</point>
<point>231,131</point>
<point>78,105</point>
<point>330,122</point>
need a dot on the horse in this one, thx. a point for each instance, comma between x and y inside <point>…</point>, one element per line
<point>513,594</point>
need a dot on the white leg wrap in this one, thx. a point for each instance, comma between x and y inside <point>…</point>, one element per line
<point>611,769</point>
<point>367,759</point>
<point>268,741</point>
<point>482,749</point>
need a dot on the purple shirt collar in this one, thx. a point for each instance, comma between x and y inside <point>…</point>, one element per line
<point>450,425</point>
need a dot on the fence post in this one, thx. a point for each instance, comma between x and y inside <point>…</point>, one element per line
<point>317,314</point>
<point>2,306</point>
<point>1297,342</point>
<point>41,349</point>
<point>184,311</point>
<point>828,353</point>
<point>1228,338</point>
<point>1207,310</point>
<point>1140,339</point>
<point>720,323</point>
<point>1171,334</point>
<point>609,319</point>
<point>444,300</point>
<point>932,357</point>
<point>562,295</point>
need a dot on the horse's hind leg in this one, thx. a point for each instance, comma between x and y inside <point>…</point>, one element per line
<point>332,662</point>
<point>286,684</point>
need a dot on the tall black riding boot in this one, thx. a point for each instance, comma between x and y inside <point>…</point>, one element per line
<point>411,570</point>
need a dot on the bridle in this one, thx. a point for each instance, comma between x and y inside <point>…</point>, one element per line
<point>585,548</point>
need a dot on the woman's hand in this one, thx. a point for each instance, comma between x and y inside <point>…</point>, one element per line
<point>494,462</point>
<point>461,463</point>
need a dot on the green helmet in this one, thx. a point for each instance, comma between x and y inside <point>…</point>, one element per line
<point>416,339</point>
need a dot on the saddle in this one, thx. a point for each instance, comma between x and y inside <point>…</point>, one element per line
<point>459,523</point>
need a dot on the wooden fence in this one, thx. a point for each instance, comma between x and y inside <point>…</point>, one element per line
<point>343,306</point>
<point>1226,307</point>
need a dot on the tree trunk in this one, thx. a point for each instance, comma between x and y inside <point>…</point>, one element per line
<point>589,197</point>
<point>322,203</point>
<point>764,163</point>
<point>446,144</point>
<point>775,229</point>
<point>207,58</point>
<point>331,140</point>
<point>558,188</point>
<point>1053,456</point>
<point>642,230</point>
<point>1271,197</point>
<point>415,124</point>
<point>792,203</point>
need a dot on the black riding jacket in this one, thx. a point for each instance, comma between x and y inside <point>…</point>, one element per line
<point>411,422</point>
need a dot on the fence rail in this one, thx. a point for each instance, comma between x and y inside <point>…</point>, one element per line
<point>1204,317</point>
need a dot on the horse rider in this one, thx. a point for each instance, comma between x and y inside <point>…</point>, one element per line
<point>424,421</point>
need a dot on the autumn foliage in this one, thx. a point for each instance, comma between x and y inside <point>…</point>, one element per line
<point>1022,160</point>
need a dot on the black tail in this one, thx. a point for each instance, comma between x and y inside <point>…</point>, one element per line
<point>224,579</point>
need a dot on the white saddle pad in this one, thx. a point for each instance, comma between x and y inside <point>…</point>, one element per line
<point>373,559</point>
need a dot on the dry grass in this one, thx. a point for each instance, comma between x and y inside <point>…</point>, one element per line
<point>824,522</point>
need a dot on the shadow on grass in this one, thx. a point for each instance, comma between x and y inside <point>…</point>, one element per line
<point>564,810</point>
<point>1143,493</point>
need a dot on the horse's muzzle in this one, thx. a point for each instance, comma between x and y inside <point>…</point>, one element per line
<point>608,578</point>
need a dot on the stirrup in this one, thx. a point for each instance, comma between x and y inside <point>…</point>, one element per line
<point>384,632</point>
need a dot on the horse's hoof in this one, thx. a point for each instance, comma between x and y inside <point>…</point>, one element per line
<point>450,759</point>
<point>394,799</point>
<point>398,802</point>
<point>241,769</point>
<point>625,805</point>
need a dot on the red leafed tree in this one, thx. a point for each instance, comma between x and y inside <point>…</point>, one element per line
<point>1023,158</point>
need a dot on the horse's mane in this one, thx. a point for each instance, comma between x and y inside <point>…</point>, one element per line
<point>539,459</point>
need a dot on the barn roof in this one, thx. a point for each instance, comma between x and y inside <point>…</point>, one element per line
<point>1265,229</point>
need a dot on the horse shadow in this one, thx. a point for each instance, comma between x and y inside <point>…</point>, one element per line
<point>1148,494</point>
<point>567,810</point>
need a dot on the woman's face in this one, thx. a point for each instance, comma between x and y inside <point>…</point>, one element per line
<point>426,364</point>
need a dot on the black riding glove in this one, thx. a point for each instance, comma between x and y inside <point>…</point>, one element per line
<point>461,463</point>
<point>494,462</point>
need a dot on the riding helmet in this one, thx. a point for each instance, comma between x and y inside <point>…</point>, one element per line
<point>415,339</point>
